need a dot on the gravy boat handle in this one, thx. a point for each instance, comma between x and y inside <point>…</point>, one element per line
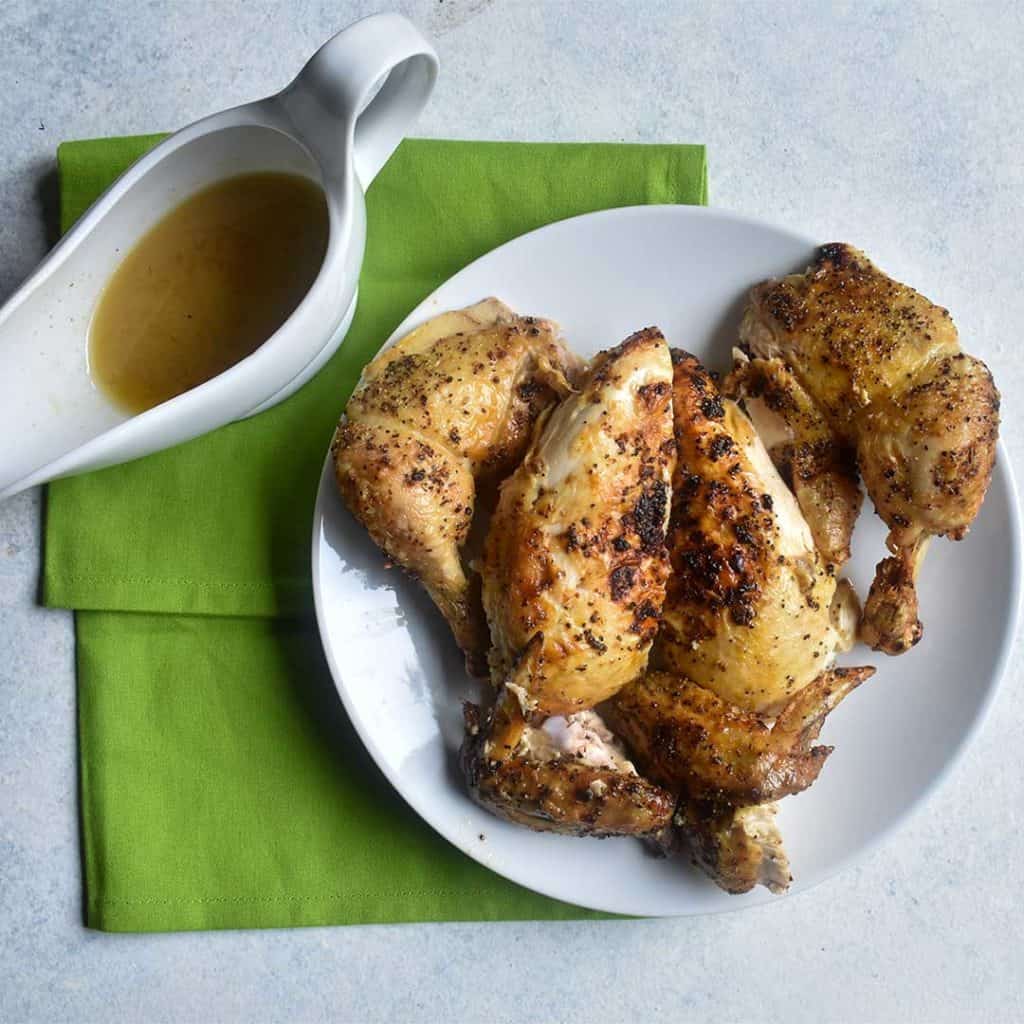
<point>372,80</point>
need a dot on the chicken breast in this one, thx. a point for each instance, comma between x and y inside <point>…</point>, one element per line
<point>574,562</point>
<point>884,366</point>
<point>568,775</point>
<point>450,406</point>
<point>819,468</point>
<point>752,611</point>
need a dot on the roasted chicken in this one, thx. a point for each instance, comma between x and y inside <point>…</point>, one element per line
<point>568,775</point>
<point>820,470</point>
<point>574,563</point>
<point>884,366</point>
<point>752,611</point>
<point>451,405</point>
<point>726,768</point>
<point>689,740</point>
<point>737,847</point>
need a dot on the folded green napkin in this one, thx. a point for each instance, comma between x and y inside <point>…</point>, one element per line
<point>222,785</point>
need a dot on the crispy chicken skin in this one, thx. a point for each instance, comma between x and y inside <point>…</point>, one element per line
<point>451,404</point>
<point>884,366</point>
<point>751,610</point>
<point>574,562</point>
<point>567,775</point>
<point>691,741</point>
<point>727,768</point>
<point>737,847</point>
<point>890,622</point>
<point>819,468</point>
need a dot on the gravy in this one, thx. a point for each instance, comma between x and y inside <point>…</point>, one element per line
<point>206,286</point>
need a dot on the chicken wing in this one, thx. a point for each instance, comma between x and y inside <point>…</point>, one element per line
<point>568,775</point>
<point>751,611</point>
<point>884,366</point>
<point>450,405</point>
<point>727,768</point>
<point>695,744</point>
<point>737,847</point>
<point>574,562</point>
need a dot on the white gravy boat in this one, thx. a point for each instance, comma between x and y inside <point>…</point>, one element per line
<point>329,125</point>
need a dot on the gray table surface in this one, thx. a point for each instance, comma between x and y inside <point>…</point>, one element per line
<point>897,126</point>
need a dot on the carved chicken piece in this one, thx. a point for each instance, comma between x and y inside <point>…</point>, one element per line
<point>884,366</point>
<point>697,745</point>
<point>568,775</point>
<point>751,610</point>
<point>574,562</point>
<point>450,405</point>
<point>727,768</point>
<point>819,468</point>
<point>891,622</point>
<point>738,848</point>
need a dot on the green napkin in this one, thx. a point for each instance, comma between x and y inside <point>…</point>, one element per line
<point>222,786</point>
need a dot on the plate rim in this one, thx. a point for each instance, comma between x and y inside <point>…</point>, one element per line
<point>325,492</point>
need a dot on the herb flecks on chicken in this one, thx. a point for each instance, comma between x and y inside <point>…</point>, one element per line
<point>451,405</point>
<point>752,610</point>
<point>820,470</point>
<point>884,366</point>
<point>574,564</point>
<point>727,768</point>
<point>689,740</point>
<point>738,847</point>
<point>568,775</point>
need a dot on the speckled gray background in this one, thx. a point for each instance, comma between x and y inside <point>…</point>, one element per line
<point>896,126</point>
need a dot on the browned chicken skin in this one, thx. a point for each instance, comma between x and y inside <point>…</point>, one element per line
<point>573,580</point>
<point>567,776</point>
<point>752,611</point>
<point>727,768</point>
<point>574,563</point>
<point>819,468</point>
<point>691,741</point>
<point>890,622</point>
<point>451,404</point>
<point>884,366</point>
<point>738,847</point>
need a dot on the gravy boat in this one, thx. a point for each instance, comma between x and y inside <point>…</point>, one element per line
<point>337,124</point>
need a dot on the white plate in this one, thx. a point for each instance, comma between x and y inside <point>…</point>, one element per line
<point>602,276</point>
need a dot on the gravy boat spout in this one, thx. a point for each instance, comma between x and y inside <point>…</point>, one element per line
<point>336,124</point>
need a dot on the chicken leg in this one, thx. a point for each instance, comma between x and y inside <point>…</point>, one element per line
<point>450,405</point>
<point>885,367</point>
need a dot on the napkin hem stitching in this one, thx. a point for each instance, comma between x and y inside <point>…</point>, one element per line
<point>205,584</point>
<point>361,894</point>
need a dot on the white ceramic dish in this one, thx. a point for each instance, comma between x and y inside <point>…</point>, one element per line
<point>401,678</point>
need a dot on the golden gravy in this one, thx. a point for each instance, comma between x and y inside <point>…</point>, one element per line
<point>206,286</point>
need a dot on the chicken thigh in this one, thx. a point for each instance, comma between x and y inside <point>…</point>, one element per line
<point>752,611</point>
<point>450,405</point>
<point>574,562</point>
<point>884,366</point>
